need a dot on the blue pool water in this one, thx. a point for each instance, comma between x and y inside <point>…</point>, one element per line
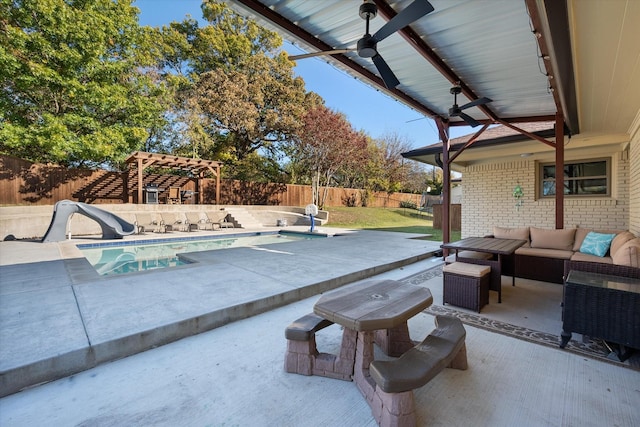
<point>129,257</point>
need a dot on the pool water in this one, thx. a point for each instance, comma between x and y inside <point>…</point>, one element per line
<point>122,258</point>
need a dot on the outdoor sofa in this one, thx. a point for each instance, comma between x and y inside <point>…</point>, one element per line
<point>549,254</point>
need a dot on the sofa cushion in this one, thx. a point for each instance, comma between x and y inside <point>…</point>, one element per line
<point>597,244</point>
<point>512,233</point>
<point>464,269</point>
<point>545,253</point>
<point>619,240</point>
<point>552,239</point>
<point>581,233</point>
<point>579,256</point>
<point>628,254</point>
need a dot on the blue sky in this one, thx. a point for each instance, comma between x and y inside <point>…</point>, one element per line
<point>366,108</point>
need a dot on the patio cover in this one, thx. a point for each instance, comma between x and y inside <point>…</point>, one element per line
<point>571,62</point>
<point>197,167</point>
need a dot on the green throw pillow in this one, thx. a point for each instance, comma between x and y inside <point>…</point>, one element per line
<point>596,243</point>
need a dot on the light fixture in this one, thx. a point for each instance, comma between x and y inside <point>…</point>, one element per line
<point>526,154</point>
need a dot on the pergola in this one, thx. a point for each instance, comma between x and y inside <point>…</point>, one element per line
<point>198,167</point>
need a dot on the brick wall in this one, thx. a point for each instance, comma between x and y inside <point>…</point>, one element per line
<point>488,199</point>
<point>634,178</point>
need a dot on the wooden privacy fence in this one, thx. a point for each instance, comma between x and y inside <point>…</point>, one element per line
<point>455,214</point>
<point>26,183</point>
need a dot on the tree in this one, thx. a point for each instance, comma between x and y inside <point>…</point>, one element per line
<point>235,94</point>
<point>387,170</point>
<point>327,145</point>
<point>73,90</point>
<point>256,106</point>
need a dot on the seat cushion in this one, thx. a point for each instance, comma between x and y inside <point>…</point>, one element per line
<point>464,269</point>
<point>545,253</point>
<point>579,256</point>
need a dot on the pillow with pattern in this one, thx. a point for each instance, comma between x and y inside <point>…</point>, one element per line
<point>596,243</point>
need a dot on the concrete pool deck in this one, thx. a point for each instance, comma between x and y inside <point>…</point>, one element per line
<point>233,374</point>
<point>59,317</point>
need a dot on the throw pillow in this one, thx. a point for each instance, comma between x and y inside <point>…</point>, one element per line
<point>596,243</point>
<point>581,233</point>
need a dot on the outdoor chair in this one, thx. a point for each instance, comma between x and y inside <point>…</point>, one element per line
<point>195,222</point>
<point>216,219</point>
<point>174,221</point>
<point>174,197</point>
<point>145,222</point>
<point>180,222</point>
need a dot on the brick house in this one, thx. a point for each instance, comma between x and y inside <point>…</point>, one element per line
<point>604,194</point>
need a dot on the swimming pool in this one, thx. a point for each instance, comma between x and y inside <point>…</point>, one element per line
<point>129,257</point>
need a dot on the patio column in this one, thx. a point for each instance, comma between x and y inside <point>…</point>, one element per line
<point>559,171</point>
<point>443,130</point>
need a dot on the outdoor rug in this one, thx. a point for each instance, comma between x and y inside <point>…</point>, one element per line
<point>592,348</point>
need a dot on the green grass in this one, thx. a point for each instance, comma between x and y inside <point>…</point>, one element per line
<point>386,219</point>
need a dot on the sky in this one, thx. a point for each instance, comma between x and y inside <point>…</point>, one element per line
<point>366,108</point>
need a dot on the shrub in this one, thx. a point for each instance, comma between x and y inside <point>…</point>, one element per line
<point>350,200</point>
<point>408,204</point>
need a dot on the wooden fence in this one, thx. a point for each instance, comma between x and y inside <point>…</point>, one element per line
<point>26,183</point>
<point>455,214</point>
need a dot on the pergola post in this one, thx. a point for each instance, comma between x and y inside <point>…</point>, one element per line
<point>140,179</point>
<point>217,185</point>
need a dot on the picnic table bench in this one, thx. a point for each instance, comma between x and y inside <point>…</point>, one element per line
<point>393,404</point>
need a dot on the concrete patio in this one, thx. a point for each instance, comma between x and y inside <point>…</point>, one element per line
<point>55,314</point>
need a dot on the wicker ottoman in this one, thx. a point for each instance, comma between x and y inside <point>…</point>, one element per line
<point>466,285</point>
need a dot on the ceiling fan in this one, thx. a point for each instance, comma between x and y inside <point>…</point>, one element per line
<point>456,111</point>
<point>367,45</point>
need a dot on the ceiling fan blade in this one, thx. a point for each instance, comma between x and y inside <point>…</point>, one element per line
<point>470,120</point>
<point>326,52</point>
<point>479,101</point>
<point>390,79</point>
<point>409,14</point>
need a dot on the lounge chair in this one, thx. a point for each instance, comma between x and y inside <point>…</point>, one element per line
<point>145,222</point>
<point>217,219</point>
<point>196,222</point>
<point>180,222</point>
<point>174,221</point>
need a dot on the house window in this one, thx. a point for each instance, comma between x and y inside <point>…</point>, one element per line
<point>586,178</point>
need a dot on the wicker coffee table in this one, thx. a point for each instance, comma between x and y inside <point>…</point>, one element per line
<point>601,306</point>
